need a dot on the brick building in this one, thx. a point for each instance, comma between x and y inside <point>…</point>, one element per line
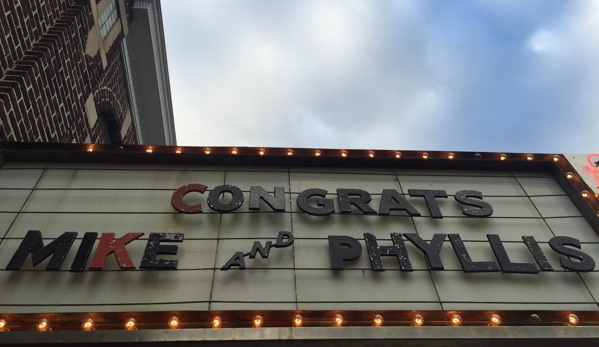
<point>85,71</point>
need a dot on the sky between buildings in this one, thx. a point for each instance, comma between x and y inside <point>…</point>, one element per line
<point>504,75</point>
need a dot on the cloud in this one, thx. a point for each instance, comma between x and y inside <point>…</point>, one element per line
<point>477,75</point>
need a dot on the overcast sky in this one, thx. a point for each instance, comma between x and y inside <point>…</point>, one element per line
<point>504,75</point>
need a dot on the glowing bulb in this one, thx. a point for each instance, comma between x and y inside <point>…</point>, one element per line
<point>42,325</point>
<point>130,324</point>
<point>216,322</point>
<point>344,154</point>
<point>397,155</point>
<point>173,323</point>
<point>178,151</point>
<point>424,155</point>
<point>317,153</point>
<point>90,148</point>
<point>338,320</point>
<point>572,319</point>
<point>494,320</point>
<point>290,152</point>
<point>234,151</point>
<point>2,323</point>
<point>261,152</point>
<point>417,321</point>
<point>377,321</point>
<point>503,157</point>
<point>585,193</point>
<point>258,321</point>
<point>149,150</point>
<point>556,157</point>
<point>451,156</point>
<point>297,321</point>
<point>88,324</point>
<point>371,154</point>
<point>207,151</point>
<point>530,157</point>
<point>455,320</point>
<point>569,175</point>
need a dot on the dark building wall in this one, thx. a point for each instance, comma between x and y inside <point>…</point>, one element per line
<point>46,76</point>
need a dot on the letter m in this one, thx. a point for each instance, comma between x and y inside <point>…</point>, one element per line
<point>33,243</point>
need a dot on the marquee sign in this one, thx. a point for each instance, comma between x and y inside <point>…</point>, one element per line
<point>312,202</point>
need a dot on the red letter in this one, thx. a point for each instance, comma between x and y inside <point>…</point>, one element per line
<point>109,245</point>
<point>177,199</point>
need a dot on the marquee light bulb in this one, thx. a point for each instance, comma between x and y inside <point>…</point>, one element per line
<point>88,324</point>
<point>173,323</point>
<point>556,157</point>
<point>503,157</point>
<point>455,320</point>
<point>262,151</point>
<point>344,154</point>
<point>234,151</point>
<point>585,193</point>
<point>397,155</point>
<point>424,155</point>
<point>2,323</point>
<point>43,325</point>
<point>149,150</point>
<point>290,152</point>
<point>572,319</point>
<point>130,324</point>
<point>258,321</point>
<point>90,148</point>
<point>297,321</point>
<point>377,321</point>
<point>494,320</point>
<point>317,153</point>
<point>338,320</point>
<point>216,322</point>
<point>530,157</point>
<point>451,156</point>
<point>371,154</point>
<point>569,175</point>
<point>178,151</point>
<point>417,321</point>
<point>207,151</point>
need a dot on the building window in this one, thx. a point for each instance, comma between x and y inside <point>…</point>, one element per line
<point>108,18</point>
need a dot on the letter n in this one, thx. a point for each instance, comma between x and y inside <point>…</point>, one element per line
<point>33,243</point>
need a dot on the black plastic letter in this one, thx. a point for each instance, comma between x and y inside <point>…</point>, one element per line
<point>537,253</point>
<point>431,250</point>
<point>467,264</point>
<point>339,254</point>
<point>327,205</point>
<point>284,239</point>
<point>376,252</point>
<point>85,249</point>
<point>586,263</point>
<point>33,243</point>
<point>234,204</point>
<point>357,197</point>
<point>277,203</point>
<point>236,260</point>
<point>504,260</point>
<point>429,196</point>
<point>154,248</point>
<point>391,200</point>
<point>463,197</point>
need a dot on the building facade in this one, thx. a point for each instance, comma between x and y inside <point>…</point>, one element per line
<point>69,72</point>
<point>310,246</point>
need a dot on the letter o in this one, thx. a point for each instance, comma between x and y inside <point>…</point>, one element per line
<point>177,199</point>
<point>236,201</point>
